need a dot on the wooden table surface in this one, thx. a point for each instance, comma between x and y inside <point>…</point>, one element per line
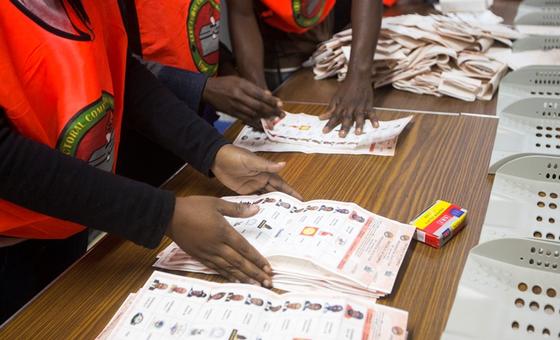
<point>387,97</point>
<point>438,157</point>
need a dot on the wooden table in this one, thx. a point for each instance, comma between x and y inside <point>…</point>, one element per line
<point>438,157</point>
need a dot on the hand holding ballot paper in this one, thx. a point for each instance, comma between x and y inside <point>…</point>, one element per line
<point>175,307</point>
<point>316,246</point>
<point>304,133</point>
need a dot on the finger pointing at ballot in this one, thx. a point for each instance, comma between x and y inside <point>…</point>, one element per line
<point>199,228</point>
<point>244,172</point>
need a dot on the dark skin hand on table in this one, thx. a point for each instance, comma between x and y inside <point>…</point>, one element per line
<point>353,102</point>
<point>199,226</point>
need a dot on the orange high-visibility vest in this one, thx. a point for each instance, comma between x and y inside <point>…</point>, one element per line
<point>295,16</point>
<point>180,33</point>
<point>299,16</point>
<point>64,90</point>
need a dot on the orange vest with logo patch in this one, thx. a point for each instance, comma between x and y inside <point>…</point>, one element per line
<point>295,16</point>
<point>62,89</point>
<point>299,16</point>
<point>180,33</point>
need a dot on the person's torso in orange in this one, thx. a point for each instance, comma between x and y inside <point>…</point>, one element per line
<point>299,16</point>
<point>64,89</point>
<point>180,33</point>
<point>295,16</point>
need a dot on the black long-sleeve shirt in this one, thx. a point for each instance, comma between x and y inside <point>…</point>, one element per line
<point>44,180</point>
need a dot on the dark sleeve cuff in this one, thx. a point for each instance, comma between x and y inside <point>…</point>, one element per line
<point>185,85</point>
<point>209,160</point>
<point>152,237</point>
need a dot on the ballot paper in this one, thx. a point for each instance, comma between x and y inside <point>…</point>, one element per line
<point>420,54</point>
<point>307,130</point>
<point>301,132</point>
<point>319,245</point>
<point>256,141</point>
<point>175,307</point>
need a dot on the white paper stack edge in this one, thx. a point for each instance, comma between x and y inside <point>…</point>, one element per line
<point>432,54</point>
<point>316,246</point>
<point>175,307</point>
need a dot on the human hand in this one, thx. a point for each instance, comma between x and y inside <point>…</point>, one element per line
<point>244,172</point>
<point>353,102</point>
<point>199,228</point>
<point>242,99</point>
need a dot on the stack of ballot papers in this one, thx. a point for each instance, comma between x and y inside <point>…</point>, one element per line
<point>434,54</point>
<point>304,133</point>
<point>316,246</point>
<point>175,307</point>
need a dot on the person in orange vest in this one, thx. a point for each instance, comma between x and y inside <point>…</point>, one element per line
<point>178,40</point>
<point>69,92</point>
<point>272,38</point>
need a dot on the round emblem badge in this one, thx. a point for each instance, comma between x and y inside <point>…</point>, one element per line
<point>307,12</point>
<point>203,27</point>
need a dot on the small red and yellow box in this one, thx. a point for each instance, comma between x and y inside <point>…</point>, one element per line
<point>437,224</point>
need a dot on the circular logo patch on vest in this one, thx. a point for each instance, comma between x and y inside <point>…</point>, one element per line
<point>203,27</point>
<point>307,12</point>
<point>90,134</point>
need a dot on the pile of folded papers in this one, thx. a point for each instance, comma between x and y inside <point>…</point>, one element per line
<point>434,54</point>
<point>318,246</point>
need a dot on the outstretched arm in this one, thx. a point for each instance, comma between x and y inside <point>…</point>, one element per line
<point>247,41</point>
<point>353,101</point>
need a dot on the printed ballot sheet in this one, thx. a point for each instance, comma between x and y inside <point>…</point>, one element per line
<point>257,141</point>
<point>318,245</point>
<point>304,133</point>
<point>304,129</point>
<point>176,307</point>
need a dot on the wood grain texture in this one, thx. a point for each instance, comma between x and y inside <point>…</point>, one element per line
<point>438,157</point>
<point>322,91</point>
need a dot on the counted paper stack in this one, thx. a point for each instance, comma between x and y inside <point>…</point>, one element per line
<point>175,307</point>
<point>304,133</point>
<point>316,246</point>
<point>435,54</point>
